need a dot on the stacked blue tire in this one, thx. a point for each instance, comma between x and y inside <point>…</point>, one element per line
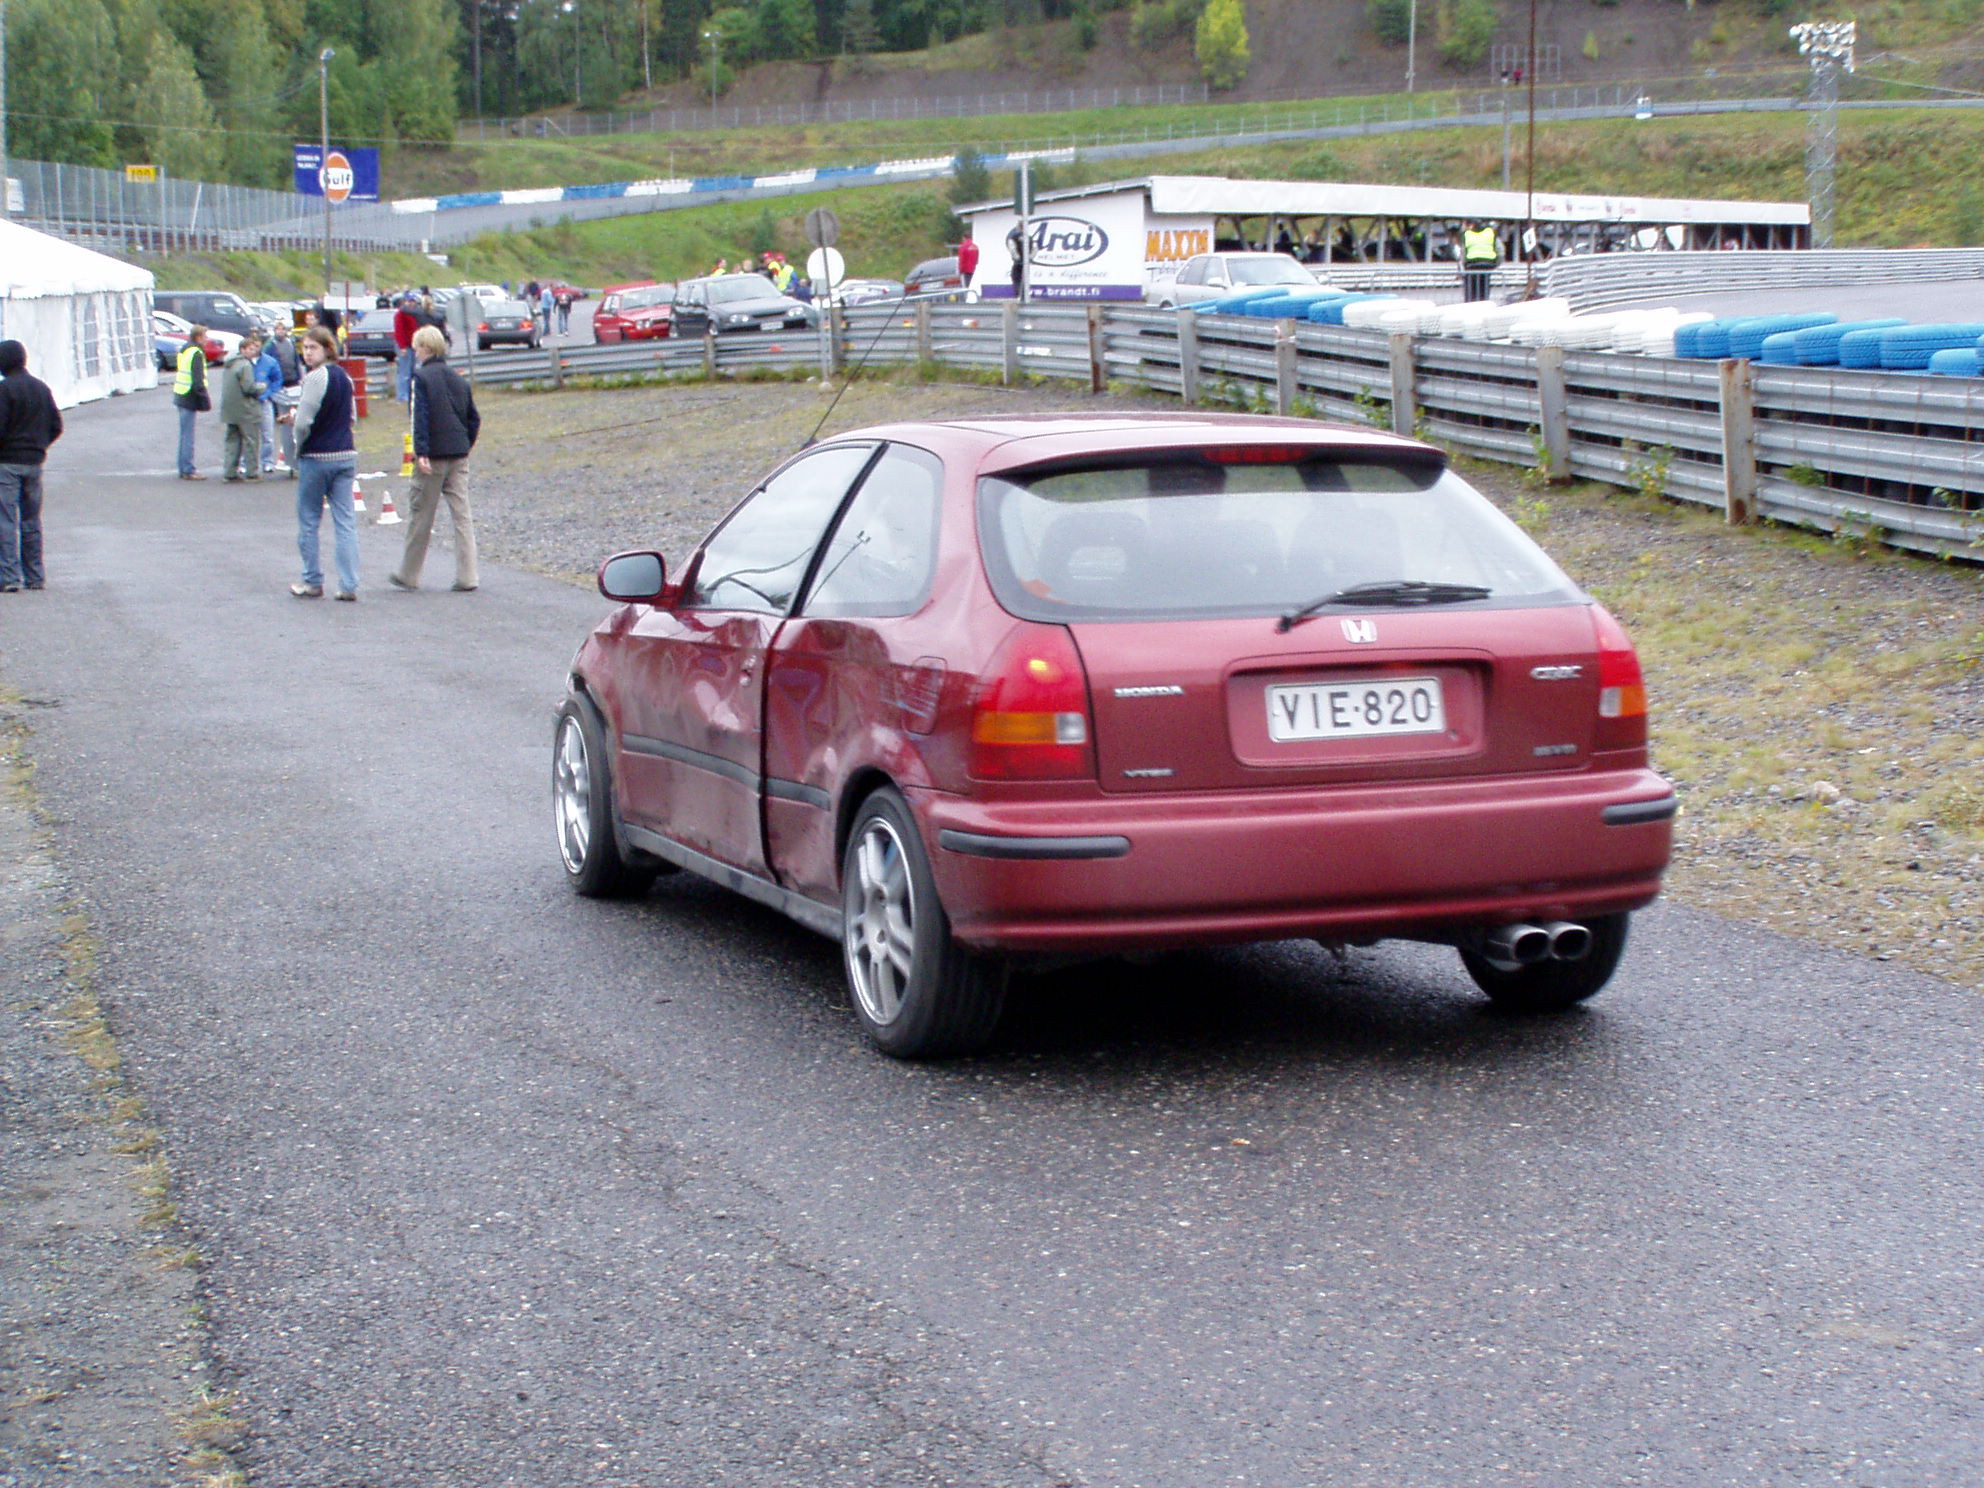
<point>1818,346</point>
<point>1955,361</point>
<point>1229,304</point>
<point>1705,339</point>
<point>1330,312</point>
<point>1290,304</point>
<point>1861,348</point>
<point>1746,337</point>
<point>1908,348</point>
<point>1780,349</point>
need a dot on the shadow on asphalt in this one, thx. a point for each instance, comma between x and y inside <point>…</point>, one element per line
<point>1288,1004</point>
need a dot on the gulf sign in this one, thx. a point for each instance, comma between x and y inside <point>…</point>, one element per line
<point>342,175</point>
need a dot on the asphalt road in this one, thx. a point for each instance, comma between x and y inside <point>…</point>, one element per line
<point>496,1186</point>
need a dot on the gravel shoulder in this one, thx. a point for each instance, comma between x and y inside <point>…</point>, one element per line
<point>1820,705</point>
<point>101,1375</point>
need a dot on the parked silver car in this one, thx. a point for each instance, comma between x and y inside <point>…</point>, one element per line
<point>1211,275</point>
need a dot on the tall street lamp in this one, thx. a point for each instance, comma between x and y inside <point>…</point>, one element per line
<point>714,37</point>
<point>4,192</point>
<point>324,157</point>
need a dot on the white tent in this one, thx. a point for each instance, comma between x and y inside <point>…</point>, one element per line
<point>84,317</point>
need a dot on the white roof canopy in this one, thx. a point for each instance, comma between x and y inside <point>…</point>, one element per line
<point>1219,196</point>
<point>34,265</point>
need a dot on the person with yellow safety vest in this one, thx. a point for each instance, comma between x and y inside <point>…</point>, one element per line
<point>1480,251</point>
<point>190,396</point>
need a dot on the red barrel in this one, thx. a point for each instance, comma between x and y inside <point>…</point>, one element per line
<point>355,368</point>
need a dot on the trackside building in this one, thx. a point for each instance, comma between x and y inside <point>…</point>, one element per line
<point>1123,240</point>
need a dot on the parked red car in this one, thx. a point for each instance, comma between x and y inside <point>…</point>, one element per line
<point>969,693</point>
<point>639,313</point>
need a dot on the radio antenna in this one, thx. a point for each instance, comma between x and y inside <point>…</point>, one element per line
<point>881,330</point>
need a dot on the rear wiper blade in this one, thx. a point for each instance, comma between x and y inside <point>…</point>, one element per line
<point>1384,592</point>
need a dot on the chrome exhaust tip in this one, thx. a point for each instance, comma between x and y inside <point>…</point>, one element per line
<point>1508,947</point>
<point>1569,941</point>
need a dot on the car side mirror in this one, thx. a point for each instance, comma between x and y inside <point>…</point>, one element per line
<point>634,578</point>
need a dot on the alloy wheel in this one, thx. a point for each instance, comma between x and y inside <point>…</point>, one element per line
<point>571,793</point>
<point>881,925</point>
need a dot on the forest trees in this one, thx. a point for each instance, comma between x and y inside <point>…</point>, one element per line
<point>220,89</point>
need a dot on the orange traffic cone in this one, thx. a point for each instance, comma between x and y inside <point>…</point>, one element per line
<point>358,495</point>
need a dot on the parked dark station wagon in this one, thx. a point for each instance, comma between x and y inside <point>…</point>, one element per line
<point>967,695</point>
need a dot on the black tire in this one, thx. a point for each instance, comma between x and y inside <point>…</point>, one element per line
<point>917,993</point>
<point>582,811</point>
<point>1553,986</point>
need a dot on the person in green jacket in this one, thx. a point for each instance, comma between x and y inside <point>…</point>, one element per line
<point>189,396</point>
<point>241,412</point>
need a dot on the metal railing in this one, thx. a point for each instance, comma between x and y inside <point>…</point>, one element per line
<point>101,209</point>
<point>1893,456</point>
<point>1590,280</point>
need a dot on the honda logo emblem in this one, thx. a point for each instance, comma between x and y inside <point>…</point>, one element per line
<point>1363,632</point>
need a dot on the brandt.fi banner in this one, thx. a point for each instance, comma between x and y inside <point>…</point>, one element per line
<point>1083,249</point>
<point>350,175</point>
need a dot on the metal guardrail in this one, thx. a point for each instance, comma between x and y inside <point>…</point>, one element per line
<point>1610,279</point>
<point>1893,456</point>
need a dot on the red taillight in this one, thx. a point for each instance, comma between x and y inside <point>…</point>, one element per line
<point>483,327</point>
<point>1030,718</point>
<point>1621,688</point>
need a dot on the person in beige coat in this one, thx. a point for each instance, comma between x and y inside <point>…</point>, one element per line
<point>445,425</point>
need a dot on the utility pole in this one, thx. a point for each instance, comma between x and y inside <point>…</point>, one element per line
<point>1411,44</point>
<point>5,190</point>
<point>715,38</point>
<point>324,157</point>
<point>1829,46</point>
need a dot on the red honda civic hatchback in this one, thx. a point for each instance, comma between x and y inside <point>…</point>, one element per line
<point>967,694</point>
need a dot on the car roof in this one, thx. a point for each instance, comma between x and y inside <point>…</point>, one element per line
<point>1012,441</point>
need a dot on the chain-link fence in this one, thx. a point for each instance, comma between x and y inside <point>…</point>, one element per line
<point>101,209</point>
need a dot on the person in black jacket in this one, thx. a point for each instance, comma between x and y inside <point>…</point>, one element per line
<point>445,424</point>
<point>29,424</point>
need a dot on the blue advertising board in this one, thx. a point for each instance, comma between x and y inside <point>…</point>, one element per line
<point>353,174</point>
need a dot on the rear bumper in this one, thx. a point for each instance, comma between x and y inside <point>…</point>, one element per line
<point>1426,861</point>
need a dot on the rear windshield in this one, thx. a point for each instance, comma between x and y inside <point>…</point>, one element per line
<point>1188,537</point>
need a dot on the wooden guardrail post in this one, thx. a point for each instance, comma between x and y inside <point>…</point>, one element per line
<point>1405,402</point>
<point>837,336</point>
<point>1284,367</point>
<point>1553,410</point>
<point>923,352</point>
<point>1188,356</point>
<point>1739,441</point>
<point>557,367</point>
<point>1009,342</point>
<point>1098,371</point>
<point>709,354</point>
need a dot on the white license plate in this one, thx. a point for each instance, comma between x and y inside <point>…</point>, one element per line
<point>1356,710</point>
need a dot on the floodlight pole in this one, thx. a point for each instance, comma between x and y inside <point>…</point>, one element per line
<point>5,192</point>
<point>1829,46</point>
<point>324,157</point>
<point>1411,44</point>
<point>713,37</point>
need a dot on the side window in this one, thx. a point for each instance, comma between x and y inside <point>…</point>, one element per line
<point>1216,274</point>
<point>1193,272</point>
<point>756,559</point>
<point>883,553</point>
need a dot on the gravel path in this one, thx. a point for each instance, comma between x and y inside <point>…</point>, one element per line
<point>1820,705</point>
